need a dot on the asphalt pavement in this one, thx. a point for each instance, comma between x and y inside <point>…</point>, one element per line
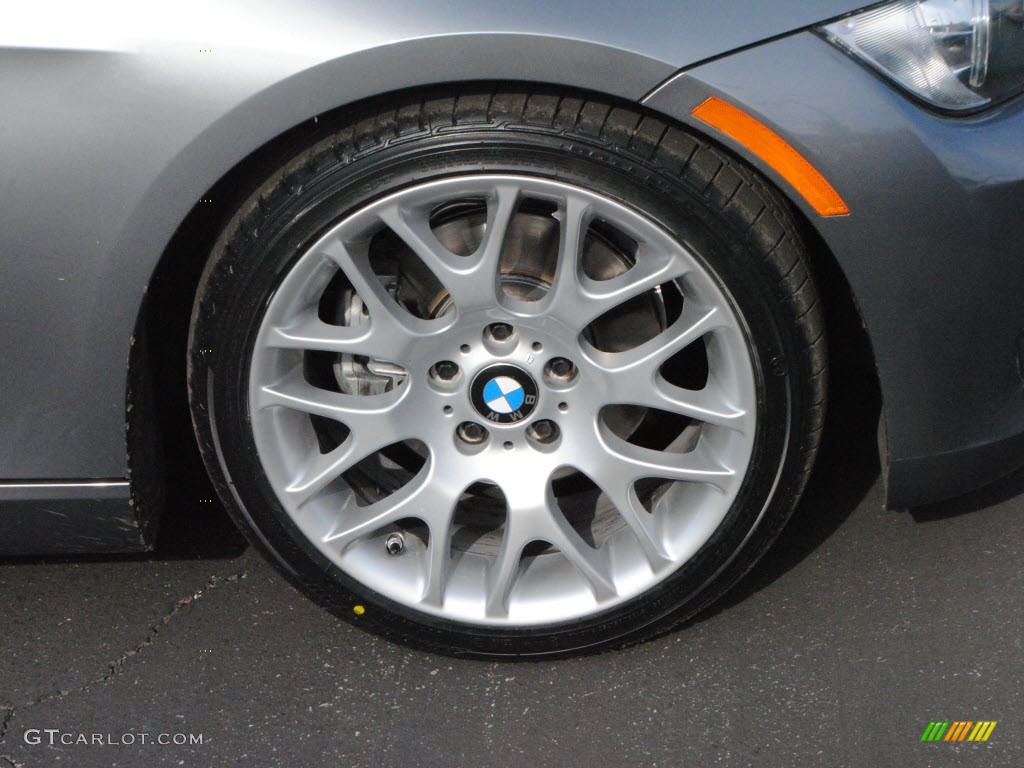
<point>856,631</point>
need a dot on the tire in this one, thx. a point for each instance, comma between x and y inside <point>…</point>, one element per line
<point>449,432</point>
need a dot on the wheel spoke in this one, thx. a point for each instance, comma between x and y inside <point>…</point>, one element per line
<point>710,405</point>
<point>358,412</point>
<point>566,295</point>
<point>307,331</point>
<point>438,562</point>
<point>595,298</point>
<point>579,300</point>
<point>533,515</point>
<point>652,268</point>
<point>501,207</point>
<point>634,462</point>
<point>471,281</point>
<point>529,506</point>
<point>502,571</point>
<point>381,340</point>
<point>420,498</point>
<point>591,563</point>
<point>319,470</point>
<point>387,318</point>
<point>692,324</point>
<point>413,228</point>
<point>643,524</point>
<point>437,508</point>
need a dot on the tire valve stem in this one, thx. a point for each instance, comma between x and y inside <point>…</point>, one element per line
<point>395,544</point>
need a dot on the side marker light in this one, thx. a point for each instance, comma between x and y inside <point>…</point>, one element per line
<point>775,151</point>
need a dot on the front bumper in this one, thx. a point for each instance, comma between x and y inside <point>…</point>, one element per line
<point>933,247</point>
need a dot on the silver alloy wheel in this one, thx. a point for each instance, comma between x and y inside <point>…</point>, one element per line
<point>480,526</point>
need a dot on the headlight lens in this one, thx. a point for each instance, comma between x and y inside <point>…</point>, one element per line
<point>955,54</point>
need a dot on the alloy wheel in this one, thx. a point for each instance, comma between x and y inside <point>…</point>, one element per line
<point>503,400</point>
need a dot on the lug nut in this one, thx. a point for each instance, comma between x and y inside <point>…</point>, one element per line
<point>560,368</point>
<point>544,431</point>
<point>543,428</point>
<point>395,544</point>
<point>471,432</point>
<point>445,370</point>
<point>499,331</point>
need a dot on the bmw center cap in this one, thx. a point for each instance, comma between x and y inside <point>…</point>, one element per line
<point>504,394</point>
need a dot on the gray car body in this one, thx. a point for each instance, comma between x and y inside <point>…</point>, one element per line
<point>118,123</point>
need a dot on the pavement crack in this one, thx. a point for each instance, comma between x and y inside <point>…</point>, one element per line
<point>8,713</point>
<point>6,761</point>
<point>115,667</point>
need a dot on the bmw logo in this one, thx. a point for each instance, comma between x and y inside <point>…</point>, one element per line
<point>504,394</point>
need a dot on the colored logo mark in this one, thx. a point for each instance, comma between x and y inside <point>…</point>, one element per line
<point>958,730</point>
<point>504,394</point>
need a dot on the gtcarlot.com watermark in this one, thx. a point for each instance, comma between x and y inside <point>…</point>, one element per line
<point>54,737</point>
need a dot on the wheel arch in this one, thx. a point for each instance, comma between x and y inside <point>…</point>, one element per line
<point>201,186</point>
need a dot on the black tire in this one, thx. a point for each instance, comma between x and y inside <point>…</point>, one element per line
<point>731,217</point>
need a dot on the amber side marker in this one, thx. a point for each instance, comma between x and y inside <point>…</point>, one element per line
<point>775,151</point>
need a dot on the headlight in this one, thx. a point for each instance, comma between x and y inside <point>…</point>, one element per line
<point>955,54</point>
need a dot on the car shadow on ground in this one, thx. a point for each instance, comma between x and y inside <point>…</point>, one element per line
<point>195,524</point>
<point>1007,488</point>
<point>846,469</point>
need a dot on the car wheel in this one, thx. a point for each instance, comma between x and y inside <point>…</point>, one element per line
<point>510,375</point>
